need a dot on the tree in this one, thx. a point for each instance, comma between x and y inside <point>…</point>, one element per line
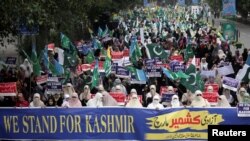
<point>52,17</point>
<point>243,7</point>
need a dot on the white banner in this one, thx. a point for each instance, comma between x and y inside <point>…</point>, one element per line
<point>226,70</point>
<point>207,73</point>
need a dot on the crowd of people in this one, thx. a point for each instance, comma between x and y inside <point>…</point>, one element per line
<point>173,28</point>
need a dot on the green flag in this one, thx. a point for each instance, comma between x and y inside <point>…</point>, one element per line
<point>188,53</point>
<point>65,42</point>
<point>66,76</point>
<point>52,68</point>
<point>136,54</point>
<point>155,50</point>
<point>107,66</point>
<point>181,74</point>
<point>70,59</point>
<point>194,82</point>
<point>191,81</point>
<point>95,77</point>
<point>90,58</point>
<point>35,62</point>
<point>200,85</point>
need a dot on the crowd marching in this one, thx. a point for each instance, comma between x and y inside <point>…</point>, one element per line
<point>156,58</point>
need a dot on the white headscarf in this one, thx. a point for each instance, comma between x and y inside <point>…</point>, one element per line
<point>134,101</point>
<point>242,94</point>
<point>156,103</point>
<point>203,65</point>
<point>175,103</point>
<point>69,89</point>
<point>223,102</point>
<point>66,100</point>
<point>36,101</point>
<point>96,101</point>
<point>152,92</point>
<point>199,101</point>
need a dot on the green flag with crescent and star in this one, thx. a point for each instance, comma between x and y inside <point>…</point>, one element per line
<point>194,82</point>
<point>155,50</point>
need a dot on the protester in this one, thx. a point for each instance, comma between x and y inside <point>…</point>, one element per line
<point>175,103</point>
<point>199,101</point>
<point>51,102</point>
<point>222,102</point>
<point>151,94</point>
<point>36,101</point>
<point>156,103</point>
<point>74,101</point>
<point>108,100</point>
<point>229,97</point>
<point>65,103</point>
<point>242,95</point>
<point>210,89</point>
<point>134,101</point>
<point>58,99</point>
<point>85,95</point>
<point>180,37</point>
<point>118,84</point>
<point>21,102</point>
<point>69,89</point>
<point>96,101</point>
<point>187,98</point>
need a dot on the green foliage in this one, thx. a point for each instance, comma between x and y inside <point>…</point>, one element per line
<point>243,7</point>
<point>71,17</point>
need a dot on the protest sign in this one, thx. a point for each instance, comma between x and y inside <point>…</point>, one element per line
<point>230,83</point>
<point>41,79</point>
<point>8,89</point>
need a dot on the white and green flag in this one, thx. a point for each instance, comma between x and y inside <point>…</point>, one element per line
<point>155,50</point>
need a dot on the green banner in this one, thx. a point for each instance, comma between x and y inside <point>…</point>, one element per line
<point>229,31</point>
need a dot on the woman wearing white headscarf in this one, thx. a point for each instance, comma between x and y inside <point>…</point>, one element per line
<point>36,101</point>
<point>242,96</point>
<point>175,103</point>
<point>108,100</point>
<point>66,101</point>
<point>156,103</point>
<point>204,64</point>
<point>152,92</point>
<point>68,89</point>
<point>96,101</point>
<point>134,101</point>
<point>199,101</point>
<point>74,101</point>
<point>222,102</point>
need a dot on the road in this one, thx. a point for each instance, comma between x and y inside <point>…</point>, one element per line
<point>244,30</point>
